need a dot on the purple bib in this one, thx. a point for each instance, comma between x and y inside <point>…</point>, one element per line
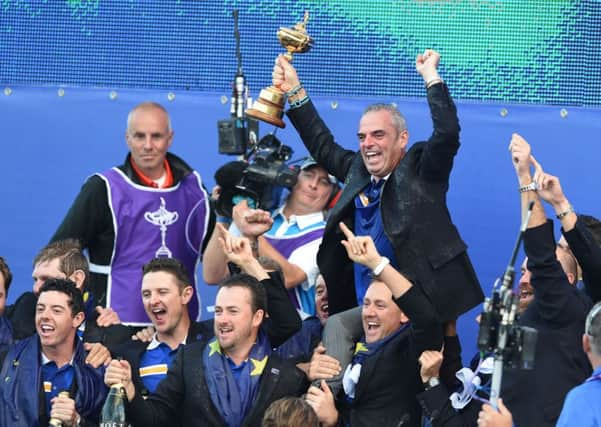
<point>150,223</point>
<point>285,245</point>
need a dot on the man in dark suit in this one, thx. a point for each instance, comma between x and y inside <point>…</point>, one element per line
<point>408,217</point>
<point>382,381</point>
<point>231,378</point>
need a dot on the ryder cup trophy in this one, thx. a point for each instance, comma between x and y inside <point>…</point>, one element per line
<point>269,107</point>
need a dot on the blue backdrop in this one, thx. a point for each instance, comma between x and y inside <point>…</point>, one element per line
<point>70,70</point>
<point>51,143</point>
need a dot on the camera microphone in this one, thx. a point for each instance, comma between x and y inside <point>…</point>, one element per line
<point>238,132</point>
<point>239,88</point>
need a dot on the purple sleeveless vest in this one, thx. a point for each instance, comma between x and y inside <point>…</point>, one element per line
<point>285,245</point>
<point>150,223</point>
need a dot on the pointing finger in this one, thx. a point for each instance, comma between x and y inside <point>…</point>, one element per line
<point>347,232</point>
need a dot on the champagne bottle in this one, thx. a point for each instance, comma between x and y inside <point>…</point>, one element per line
<point>113,411</point>
<point>55,422</point>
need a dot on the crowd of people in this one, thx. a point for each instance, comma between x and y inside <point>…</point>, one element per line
<point>326,314</point>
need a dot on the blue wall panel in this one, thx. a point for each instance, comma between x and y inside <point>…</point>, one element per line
<point>52,143</point>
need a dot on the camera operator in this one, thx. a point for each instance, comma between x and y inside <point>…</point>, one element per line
<point>290,235</point>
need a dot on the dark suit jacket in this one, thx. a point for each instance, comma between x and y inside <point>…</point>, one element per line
<point>416,220</point>
<point>588,254</point>
<point>183,397</point>
<point>389,379</point>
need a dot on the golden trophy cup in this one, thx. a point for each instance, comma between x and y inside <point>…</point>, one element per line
<point>269,107</point>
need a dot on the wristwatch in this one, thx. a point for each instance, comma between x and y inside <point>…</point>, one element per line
<point>431,383</point>
<point>530,187</point>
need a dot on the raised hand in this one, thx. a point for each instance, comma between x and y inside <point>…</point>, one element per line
<point>251,222</point>
<point>549,187</point>
<point>238,249</point>
<point>521,154</point>
<point>426,65</point>
<point>430,362</point>
<point>360,249</point>
<point>284,74</point>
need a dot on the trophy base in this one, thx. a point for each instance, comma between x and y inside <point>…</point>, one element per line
<point>269,107</point>
<point>259,115</point>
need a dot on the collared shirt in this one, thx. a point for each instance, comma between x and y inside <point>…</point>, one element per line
<point>368,221</point>
<point>581,407</point>
<point>283,226</point>
<point>236,369</point>
<point>304,256</point>
<point>155,362</point>
<point>55,379</point>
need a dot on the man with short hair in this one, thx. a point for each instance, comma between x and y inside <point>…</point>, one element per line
<point>382,381</point>
<point>153,205</point>
<point>166,292</point>
<point>396,195</point>
<point>581,407</point>
<point>35,370</point>
<point>291,235</point>
<point>228,380</point>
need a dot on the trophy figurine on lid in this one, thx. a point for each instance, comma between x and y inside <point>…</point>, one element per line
<point>269,107</point>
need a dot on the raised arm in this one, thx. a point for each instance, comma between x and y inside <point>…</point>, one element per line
<point>304,117</point>
<point>555,298</point>
<point>427,328</point>
<point>436,157</point>
<point>581,242</point>
<point>283,321</point>
<point>521,159</point>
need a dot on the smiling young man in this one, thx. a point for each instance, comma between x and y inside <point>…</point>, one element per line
<point>152,205</point>
<point>37,369</point>
<point>166,292</point>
